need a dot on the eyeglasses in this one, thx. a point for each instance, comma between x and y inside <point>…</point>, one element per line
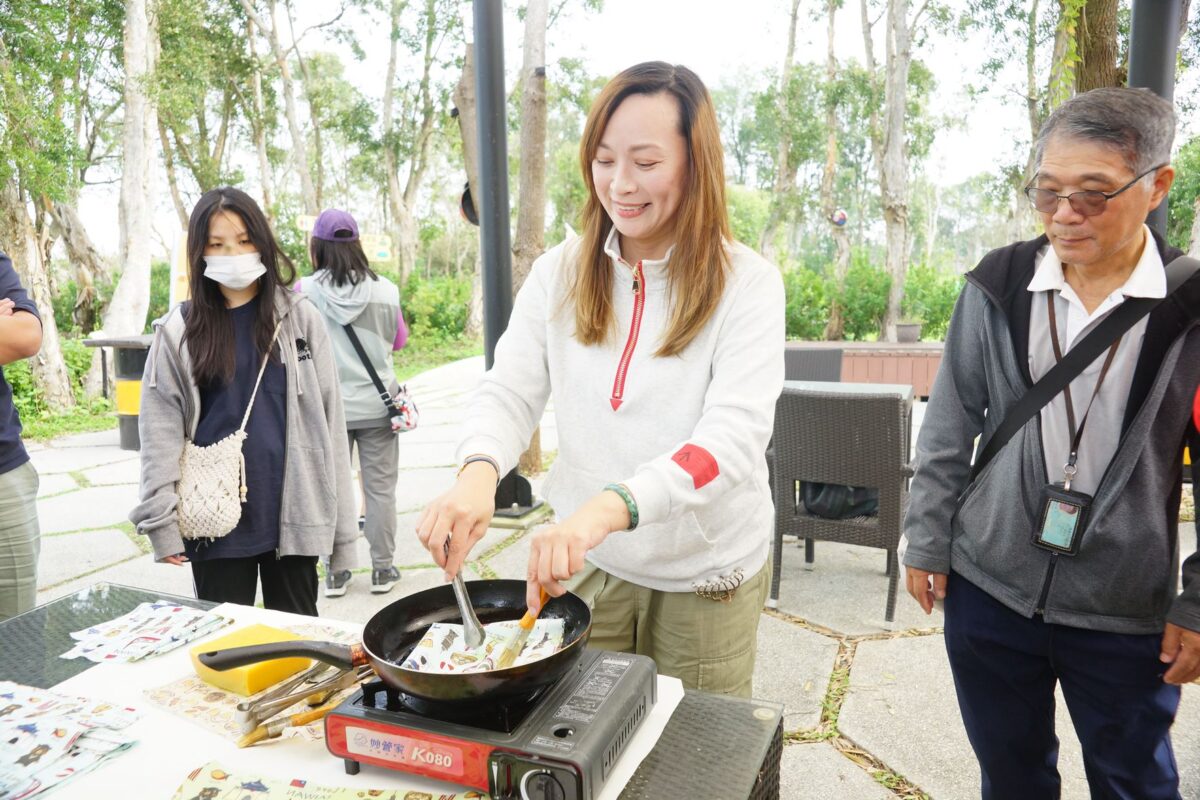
<point>1089,203</point>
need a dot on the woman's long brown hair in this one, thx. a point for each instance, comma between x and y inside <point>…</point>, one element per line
<point>699,263</point>
<point>208,327</point>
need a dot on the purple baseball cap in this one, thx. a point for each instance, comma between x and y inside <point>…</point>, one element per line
<point>335,225</point>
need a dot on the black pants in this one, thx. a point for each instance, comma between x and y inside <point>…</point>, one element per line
<point>288,583</point>
<point>1005,668</point>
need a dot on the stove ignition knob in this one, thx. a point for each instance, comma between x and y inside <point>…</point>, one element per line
<point>541,785</point>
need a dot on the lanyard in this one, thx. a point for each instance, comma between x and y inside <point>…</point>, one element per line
<point>1069,469</point>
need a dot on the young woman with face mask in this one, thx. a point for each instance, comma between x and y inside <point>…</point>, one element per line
<point>661,340</point>
<point>200,378</point>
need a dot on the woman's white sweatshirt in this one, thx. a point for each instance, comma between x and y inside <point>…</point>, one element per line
<point>687,434</point>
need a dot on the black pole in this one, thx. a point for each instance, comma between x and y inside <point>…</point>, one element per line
<point>514,495</point>
<point>1153,42</point>
<point>492,203</point>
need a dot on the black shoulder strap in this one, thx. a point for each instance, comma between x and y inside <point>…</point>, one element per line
<point>1077,358</point>
<point>384,394</point>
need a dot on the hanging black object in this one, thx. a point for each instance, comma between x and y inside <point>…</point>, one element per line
<point>467,206</point>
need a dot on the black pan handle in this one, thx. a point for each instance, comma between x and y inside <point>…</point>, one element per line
<point>338,655</point>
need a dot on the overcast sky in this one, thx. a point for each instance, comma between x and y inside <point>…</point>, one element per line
<point>718,39</point>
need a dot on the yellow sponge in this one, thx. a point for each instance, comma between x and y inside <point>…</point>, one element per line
<point>252,678</point>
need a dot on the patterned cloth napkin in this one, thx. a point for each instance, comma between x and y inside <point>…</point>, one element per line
<point>47,738</point>
<point>148,630</point>
<point>213,782</point>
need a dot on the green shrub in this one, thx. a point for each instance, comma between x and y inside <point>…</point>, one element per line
<point>436,307</point>
<point>28,399</point>
<point>807,296</point>
<point>864,298</point>
<point>749,210</point>
<point>929,296</point>
<point>63,303</point>
<point>160,292</point>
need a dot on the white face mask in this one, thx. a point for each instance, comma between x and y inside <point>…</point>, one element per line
<point>234,272</point>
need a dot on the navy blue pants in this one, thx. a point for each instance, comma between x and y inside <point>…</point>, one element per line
<point>1005,668</point>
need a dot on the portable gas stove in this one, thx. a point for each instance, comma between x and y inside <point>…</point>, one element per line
<point>559,745</point>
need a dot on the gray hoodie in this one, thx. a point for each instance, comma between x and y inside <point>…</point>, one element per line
<point>318,508</point>
<point>373,307</point>
<point>1124,578</point>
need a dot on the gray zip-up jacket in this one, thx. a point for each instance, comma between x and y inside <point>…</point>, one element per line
<point>318,510</point>
<point>1124,578</point>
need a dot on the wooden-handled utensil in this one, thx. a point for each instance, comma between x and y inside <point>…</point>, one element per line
<point>517,643</point>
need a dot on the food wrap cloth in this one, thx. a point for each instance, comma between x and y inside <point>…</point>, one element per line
<point>443,648</point>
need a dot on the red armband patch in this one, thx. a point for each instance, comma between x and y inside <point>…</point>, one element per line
<point>697,462</point>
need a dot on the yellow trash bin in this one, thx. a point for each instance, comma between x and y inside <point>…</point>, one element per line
<point>129,362</point>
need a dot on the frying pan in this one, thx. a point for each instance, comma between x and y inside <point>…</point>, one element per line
<point>396,629</point>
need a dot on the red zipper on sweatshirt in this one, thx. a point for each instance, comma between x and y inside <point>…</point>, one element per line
<point>635,326</point>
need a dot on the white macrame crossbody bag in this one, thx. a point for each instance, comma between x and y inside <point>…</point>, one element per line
<point>212,479</point>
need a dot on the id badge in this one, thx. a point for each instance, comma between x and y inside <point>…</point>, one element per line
<point>1063,518</point>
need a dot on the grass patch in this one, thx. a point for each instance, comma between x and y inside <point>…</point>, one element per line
<point>82,419</point>
<point>423,353</point>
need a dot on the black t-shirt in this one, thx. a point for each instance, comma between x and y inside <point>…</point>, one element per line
<point>221,411</point>
<point>12,452</point>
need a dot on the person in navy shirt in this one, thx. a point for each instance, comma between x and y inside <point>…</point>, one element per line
<point>20,337</point>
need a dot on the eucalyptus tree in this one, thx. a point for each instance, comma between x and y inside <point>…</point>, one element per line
<point>889,129</point>
<point>413,109</point>
<point>205,89</point>
<point>126,314</point>
<point>829,205</point>
<point>38,158</point>
<point>785,164</point>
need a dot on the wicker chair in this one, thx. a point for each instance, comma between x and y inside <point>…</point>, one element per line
<point>851,434</point>
<point>812,364</point>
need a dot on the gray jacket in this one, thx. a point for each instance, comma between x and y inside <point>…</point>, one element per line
<point>318,510</point>
<point>372,306</point>
<point>1123,579</point>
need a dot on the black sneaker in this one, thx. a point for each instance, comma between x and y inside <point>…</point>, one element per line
<point>382,580</point>
<point>335,583</point>
<point>362,524</point>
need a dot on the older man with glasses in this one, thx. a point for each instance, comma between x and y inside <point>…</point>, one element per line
<point>1058,562</point>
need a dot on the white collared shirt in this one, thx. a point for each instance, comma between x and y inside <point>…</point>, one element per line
<point>1103,431</point>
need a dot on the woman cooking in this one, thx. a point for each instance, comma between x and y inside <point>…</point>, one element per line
<point>661,339</point>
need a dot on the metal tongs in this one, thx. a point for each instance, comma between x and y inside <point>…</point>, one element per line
<point>472,630</point>
<point>252,713</point>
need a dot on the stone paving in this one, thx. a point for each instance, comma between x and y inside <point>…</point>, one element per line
<point>869,707</point>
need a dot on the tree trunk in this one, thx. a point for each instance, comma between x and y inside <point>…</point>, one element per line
<point>259,126</point>
<point>874,122</point>
<point>531,197</point>
<point>406,219</point>
<point>531,213</point>
<point>932,208</point>
<point>88,264</point>
<point>314,114</point>
<point>181,211</point>
<point>16,230</point>
<point>1096,39</point>
<point>126,314</point>
<point>894,171</point>
<point>835,328</point>
<point>785,174</point>
<point>390,167</point>
<point>464,103</point>
<point>308,192</point>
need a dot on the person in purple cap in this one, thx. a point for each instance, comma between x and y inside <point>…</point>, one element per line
<point>348,292</point>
